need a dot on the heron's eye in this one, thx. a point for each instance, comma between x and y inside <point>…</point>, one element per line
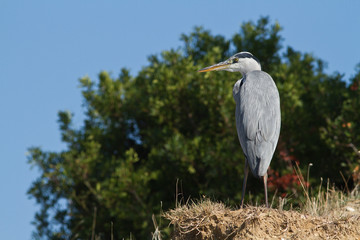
<point>235,60</point>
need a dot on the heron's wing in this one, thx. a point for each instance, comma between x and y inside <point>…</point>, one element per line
<point>258,120</point>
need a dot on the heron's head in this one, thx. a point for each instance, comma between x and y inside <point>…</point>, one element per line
<point>243,62</point>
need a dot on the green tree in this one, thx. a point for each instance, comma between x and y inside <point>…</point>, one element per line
<point>341,133</point>
<point>143,134</point>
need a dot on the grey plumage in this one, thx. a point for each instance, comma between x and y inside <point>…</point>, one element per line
<point>257,116</point>
<point>257,113</point>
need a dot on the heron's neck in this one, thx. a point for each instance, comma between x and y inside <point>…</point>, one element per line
<point>249,66</point>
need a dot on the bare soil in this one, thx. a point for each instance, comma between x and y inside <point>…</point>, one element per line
<point>208,220</point>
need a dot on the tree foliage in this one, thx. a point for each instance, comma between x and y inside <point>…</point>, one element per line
<point>169,124</point>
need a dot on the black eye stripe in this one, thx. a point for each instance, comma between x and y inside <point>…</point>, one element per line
<point>246,55</point>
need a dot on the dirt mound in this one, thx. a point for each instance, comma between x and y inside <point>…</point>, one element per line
<point>208,220</point>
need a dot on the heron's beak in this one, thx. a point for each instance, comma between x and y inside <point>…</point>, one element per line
<point>215,67</point>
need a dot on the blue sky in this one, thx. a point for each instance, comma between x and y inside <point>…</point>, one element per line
<point>46,46</point>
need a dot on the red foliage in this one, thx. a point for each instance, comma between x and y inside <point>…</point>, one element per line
<point>354,86</point>
<point>356,174</point>
<point>286,154</point>
<point>289,182</point>
<point>285,183</point>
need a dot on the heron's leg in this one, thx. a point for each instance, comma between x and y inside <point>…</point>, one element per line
<point>246,173</point>
<point>265,188</point>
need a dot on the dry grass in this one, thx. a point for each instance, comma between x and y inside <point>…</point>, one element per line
<point>329,202</point>
<point>334,204</point>
<point>329,214</point>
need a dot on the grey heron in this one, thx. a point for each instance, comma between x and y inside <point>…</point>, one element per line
<point>257,114</point>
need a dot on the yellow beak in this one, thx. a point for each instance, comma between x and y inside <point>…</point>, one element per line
<point>215,67</point>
